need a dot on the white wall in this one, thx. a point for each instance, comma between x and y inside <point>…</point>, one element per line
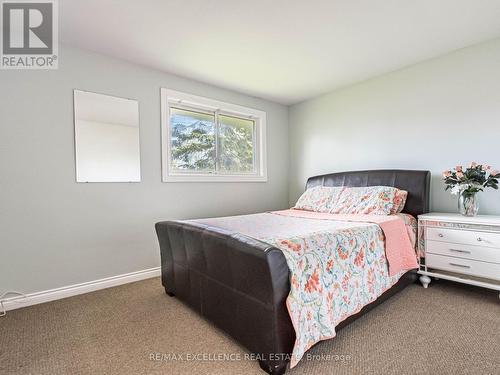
<point>56,232</point>
<point>432,115</point>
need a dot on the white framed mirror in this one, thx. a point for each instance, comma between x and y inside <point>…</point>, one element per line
<point>107,146</point>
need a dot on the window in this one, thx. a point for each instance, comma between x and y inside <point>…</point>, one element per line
<point>208,140</point>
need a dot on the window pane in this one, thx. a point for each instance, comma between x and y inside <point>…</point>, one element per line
<point>236,140</point>
<point>192,140</point>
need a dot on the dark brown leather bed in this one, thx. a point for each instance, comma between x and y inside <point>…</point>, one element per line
<point>241,284</point>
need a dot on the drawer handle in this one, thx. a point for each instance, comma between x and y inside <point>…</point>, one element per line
<point>479,239</point>
<point>460,251</point>
<point>441,235</point>
<point>459,265</point>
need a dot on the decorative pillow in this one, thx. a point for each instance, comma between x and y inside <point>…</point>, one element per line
<point>399,201</point>
<point>373,200</point>
<point>319,198</point>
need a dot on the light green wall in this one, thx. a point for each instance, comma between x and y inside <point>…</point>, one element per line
<point>432,115</point>
<point>55,232</point>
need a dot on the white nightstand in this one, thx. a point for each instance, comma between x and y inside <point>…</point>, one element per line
<point>460,248</point>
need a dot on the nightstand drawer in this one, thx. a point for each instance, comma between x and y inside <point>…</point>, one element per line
<point>464,266</point>
<point>486,254</point>
<point>464,237</point>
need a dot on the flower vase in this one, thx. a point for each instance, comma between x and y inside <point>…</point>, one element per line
<point>468,204</point>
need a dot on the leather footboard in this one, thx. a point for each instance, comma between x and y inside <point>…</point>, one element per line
<point>238,283</point>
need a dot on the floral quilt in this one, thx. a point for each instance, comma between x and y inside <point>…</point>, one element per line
<point>336,268</point>
<point>333,275</point>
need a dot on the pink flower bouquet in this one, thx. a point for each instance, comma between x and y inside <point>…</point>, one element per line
<point>475,178</point>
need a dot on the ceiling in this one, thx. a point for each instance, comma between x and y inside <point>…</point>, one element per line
<point>282,50</point>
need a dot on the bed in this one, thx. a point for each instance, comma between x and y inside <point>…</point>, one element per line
<point>241,282</point>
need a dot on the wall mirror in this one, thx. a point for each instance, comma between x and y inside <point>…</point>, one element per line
<point>106,138</point>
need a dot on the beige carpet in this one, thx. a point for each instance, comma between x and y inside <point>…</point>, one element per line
<point>447,329</point>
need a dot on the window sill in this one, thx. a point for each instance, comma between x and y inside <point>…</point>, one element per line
<point>213,178</point>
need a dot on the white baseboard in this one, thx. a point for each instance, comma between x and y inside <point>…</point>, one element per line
<point>17,302</point>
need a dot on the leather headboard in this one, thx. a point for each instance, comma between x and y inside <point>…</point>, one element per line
<point>416,183</point>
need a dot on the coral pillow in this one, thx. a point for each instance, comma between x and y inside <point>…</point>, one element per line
<point>373,200</point>
<point>319,198</point>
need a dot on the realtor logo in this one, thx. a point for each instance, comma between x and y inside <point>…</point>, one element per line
<point>29,34</point>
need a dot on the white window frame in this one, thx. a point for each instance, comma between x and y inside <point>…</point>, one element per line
<point>187,101</point>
